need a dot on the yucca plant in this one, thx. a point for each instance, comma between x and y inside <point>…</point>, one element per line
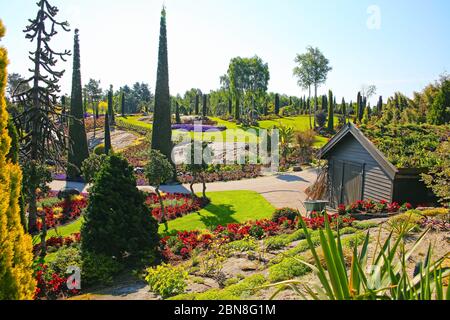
<point>384,278</point>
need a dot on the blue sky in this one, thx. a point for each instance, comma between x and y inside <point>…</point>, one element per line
<point>119,40</point>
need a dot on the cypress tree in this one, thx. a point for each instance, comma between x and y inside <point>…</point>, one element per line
<point>230,106</point>
<point>111,106</point>
<point>380,106</point>
<point>205,107</point>
<point>122,104</point>
<point>359,109</point>
<point>16,257</point>
<point>63,111</point>
<point>197,104</point>
<point>78,152</point>
<point>344,111</point>
<point>177,112</point>
<point>366,116</point>
<point>277,104</point>
<point>108,146</point>
<point>330,111</point>
<point>162,119</point>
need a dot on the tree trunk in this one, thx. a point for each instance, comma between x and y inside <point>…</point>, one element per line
<point>163,212</point>
<point>309,107</point>
<point>204,186</point>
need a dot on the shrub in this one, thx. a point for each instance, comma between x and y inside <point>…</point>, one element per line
<point>406,223</point>
<point>321,118</point>
<point>98,268</point>
<point>167,280</point>
<point>364,225</point>
<point>247,244</point>
<point>348,230</point>
<point>287,269</point>
<point>99,149</point>
<point>288,213</point>
<point>256,232</point>
<point>230,281</point>
<point>210,295</point>
<point>117,222</point>
<point>277,242</point>
<point>246,287</point>
<point>438,212</point>
<point>64,258</point>
<point>91,166</point>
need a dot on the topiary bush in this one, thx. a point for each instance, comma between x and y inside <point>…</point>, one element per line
<point>167,280</point>
<point>99,268</point>
<point>287,213</point>
<point>65,257</point>
<point>117,222</point>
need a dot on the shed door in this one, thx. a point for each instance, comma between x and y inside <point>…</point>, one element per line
<point>352,182</point>
<point>347,182</point>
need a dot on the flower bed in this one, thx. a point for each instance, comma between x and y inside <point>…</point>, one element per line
<point>62,212</point>
<point>370,208</point>
<point>51,285</point>
<point>198,127</point>
<point>180,246</point>
<point>176,205</point>
<point>54,243</point>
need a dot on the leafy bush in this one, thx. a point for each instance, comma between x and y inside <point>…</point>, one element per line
<point>364,225</point>
<point>65,257</point>
<point>167,280</point>
<point>348,230</point>
<point>321,119</point>
<point>438,212</point>
<point>99,269</point>
<point>287,269</point>
<point>91,166</point>
<point>247,244</point>
<point>277,242</point>
<point>99,149</point>
<point>287,213</point>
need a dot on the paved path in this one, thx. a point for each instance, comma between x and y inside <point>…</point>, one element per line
<point>281,190</point>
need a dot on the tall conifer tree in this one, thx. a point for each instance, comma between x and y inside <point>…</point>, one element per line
<point>162,126</point>
<point>108,146</point>
<point>78,146</point>
<point>330,111</point>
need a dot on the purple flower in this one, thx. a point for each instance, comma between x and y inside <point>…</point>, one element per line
<point>198,128</point>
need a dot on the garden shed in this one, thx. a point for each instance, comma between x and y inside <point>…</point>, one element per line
<point>358,170</point>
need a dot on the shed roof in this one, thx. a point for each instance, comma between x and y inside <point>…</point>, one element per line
<point>379,157</point>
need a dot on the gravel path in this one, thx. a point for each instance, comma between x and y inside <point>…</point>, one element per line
<point>281,190</point>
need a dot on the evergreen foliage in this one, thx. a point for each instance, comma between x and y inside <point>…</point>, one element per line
<point>78,150</point>
<point>16,257</point>
<point>277,104</point>
<point>162,119</point>
<point>122,104</point>
<point>108,146</point>
<point>330,111</point>
<point>117,222</point>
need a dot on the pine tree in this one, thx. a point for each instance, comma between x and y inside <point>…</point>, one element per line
<point>108,146</point>
<point>117,221</point>
<point>122,104</point>
<point>330,111</point>
<point>277,104</point>
<point>162,119</point>
<point>205,106</point>
<point>16,257</point>
<point>78,151</point>
<point>40,105</point>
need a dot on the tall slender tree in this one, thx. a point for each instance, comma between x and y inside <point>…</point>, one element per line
<point>122,104</point>
<point>277,104</point>
<point>107,143</point>
<point>344,110</point>
<point>162,130</point>
<point>359,107</point>
<point>177,112</point>
<point>78,146</point>
<point>111,112</point>
<point>205,106</point>
<point>41,137</point>
<point>380,106</point>
<point>330,111</point>
<point>197,104</point>
<point>16,257</point>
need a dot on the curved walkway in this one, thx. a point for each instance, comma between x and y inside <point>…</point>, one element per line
<point>281,190</point>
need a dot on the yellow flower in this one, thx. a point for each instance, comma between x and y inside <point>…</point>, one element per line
<point>57,210</point>
<point>77,198</point>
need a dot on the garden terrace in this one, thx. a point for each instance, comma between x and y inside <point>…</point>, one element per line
<point>407,146</point>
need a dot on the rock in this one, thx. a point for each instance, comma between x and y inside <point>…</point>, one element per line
<point>297,169</point>
<point>249,267</point>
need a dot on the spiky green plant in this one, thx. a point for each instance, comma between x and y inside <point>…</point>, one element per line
<point>384,278</point>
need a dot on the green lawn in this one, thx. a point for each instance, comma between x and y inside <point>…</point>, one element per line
<point>299,123</point>
<point>226,207</point>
